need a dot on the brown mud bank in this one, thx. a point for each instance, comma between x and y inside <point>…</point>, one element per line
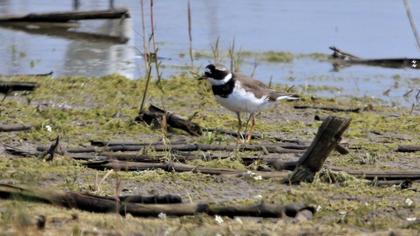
<point>80,110</point>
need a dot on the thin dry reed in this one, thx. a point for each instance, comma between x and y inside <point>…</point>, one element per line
<point>412,24</point>
<point>231,53</point>
<point>155,48</point>
<point>190,33</point>
<point>146,55</point>
<point>216,51</point>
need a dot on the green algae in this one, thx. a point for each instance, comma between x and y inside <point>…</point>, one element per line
<point>267,56</point>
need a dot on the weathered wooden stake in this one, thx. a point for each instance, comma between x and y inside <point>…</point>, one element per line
<point>327,138</point>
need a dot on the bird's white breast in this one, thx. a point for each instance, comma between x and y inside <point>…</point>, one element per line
<point>241,100</point>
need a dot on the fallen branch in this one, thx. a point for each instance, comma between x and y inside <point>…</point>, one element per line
<point>12,86</point>
<point>254,135</point>
<point>333,109</point>
<point>30,75</point>
<point>342,59</point>
<point>396,176</point>
<point>382,175</point>
<point>101,143</point>
<point>408,148</point>
<point>68,16</point>
<point>13,128</point>
<point>178,146</point>
<point>402,184</point>
<point>178,167</point>
<point>154,199</point>
<point>287,148</point>
<point>327,138</point>
<point>136,157</point>
<point>93,203</point>
<point>156,115</point>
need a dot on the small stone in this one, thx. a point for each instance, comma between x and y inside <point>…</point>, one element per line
<point>408,202</point>
<point>40,221</point>
<point>219,220</point>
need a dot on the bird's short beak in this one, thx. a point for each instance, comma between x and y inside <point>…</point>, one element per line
<point>202,77</point>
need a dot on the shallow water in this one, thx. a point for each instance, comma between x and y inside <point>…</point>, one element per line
<point>376,28</point>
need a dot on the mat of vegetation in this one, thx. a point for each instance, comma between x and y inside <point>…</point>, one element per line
<point>80,109</point>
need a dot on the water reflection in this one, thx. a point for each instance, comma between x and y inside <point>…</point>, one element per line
<point>103,57</point>
<point>370,29</point>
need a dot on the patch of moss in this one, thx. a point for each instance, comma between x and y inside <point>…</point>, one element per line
<point>271,56</point>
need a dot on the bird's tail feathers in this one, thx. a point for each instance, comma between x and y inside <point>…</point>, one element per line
<point>288,97</point>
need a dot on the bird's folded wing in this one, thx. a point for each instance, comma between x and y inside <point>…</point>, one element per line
<point>251,85</point>
<point>276,96</point>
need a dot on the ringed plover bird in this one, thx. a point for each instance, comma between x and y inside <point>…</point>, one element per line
<point>240,93</point>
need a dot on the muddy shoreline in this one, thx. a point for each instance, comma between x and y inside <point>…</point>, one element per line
<point>81,109</point>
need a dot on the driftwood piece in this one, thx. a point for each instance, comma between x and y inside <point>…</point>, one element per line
<point>136,157</point>
<point>154,199</point>
<point>327,138</point>
<point>382,175</point>
<point>68,16</point>
<point>408,148</point>
<point>343,59</point>
<point>402,184</point>
<point>156,115</point>
<point>287,148</point>
<point>254,135</point>
<point>19,152</point>
<point>327,108</point>
<point>178,167</point>
<point>13,128</point>
<point>92,203</point>
<point>101,143</point>
<point>183,146</point>
<point>30,75</point>
<point>12,86</point>
<point>387,177</point>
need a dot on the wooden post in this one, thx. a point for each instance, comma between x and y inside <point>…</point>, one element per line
<point>327,138</point>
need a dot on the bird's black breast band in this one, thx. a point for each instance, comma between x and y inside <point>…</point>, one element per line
<point>225,89</point>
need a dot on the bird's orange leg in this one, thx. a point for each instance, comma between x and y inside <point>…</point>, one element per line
<point>251,130</point>
<point>239,135</point>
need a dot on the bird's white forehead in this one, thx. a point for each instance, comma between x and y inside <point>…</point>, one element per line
<point>207,70</point>
<point>223,81</point>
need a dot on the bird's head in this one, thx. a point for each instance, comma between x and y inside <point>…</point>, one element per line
<point>217,74</point>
